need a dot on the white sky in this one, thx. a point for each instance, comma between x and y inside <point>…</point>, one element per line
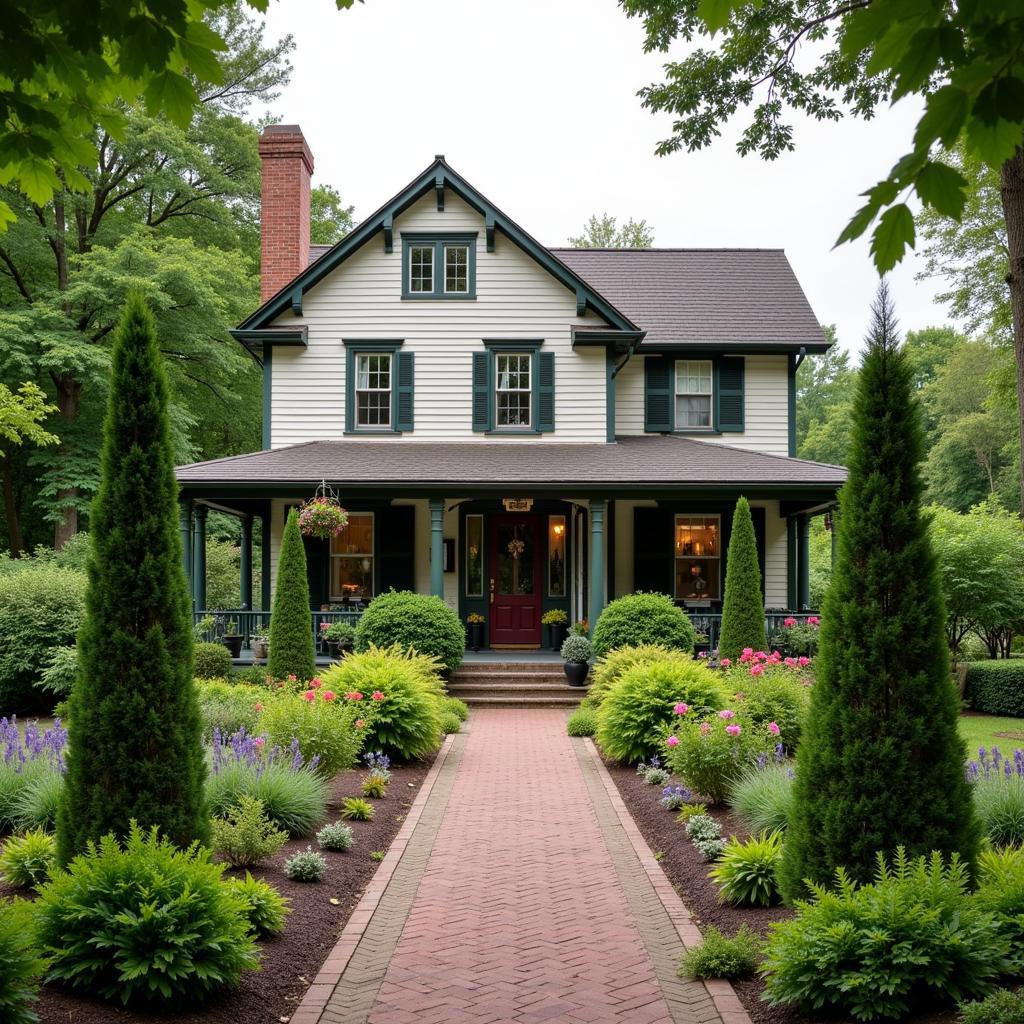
<point>534,102</point>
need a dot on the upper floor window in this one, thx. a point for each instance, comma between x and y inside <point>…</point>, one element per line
<point>694,392</point>
<point>514,392</point>
<point>379,386</point>
<point>441,266</point>
<point>373,390</point>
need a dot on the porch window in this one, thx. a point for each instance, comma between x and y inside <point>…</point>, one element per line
<point>514,390</point>
<point>556,556</point>
<point>698,558</point>
<point>373,390</point>
<point>694,392</point>
<point>474,556</point>
<point>352,560</point>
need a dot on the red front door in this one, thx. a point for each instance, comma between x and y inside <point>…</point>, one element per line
<point>515,581</point>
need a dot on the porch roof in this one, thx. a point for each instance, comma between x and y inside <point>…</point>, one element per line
<point>663,462</point>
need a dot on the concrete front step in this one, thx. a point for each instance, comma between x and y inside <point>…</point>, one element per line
<point>462,690</point>
<point>508,679</point>
<point>514,684</point>
<point>514,701</point>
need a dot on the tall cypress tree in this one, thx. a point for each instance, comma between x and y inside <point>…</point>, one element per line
<point>743,607</point>
<point>291,633</point>
<point>134,745</point>
<point>881,762</point>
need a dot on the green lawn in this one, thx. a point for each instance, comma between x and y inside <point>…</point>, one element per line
<point>980,730</point>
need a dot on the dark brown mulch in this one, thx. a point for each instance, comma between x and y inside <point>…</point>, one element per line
<point>291,960</point>
<point>687,872</point>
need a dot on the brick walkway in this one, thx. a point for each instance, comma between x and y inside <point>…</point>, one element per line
<point>521,897</point>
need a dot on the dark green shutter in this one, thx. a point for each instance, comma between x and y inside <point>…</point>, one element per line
<point>481,391</point>
<point>658,395</point>
<point>404,374</point>
<point>396,548</point>
<point>546,393</point>
<point>653,553</point>
<point>730,394</point>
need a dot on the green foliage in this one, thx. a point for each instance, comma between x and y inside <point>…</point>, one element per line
<point>1002,1007</point>
<point>37,803</point>
<point>999,803</point>
<point>450,724</point>
<point>876,950</point>
<point>881,761</point>
<point>420,621</point>
<point>996,687</point>
<point>291,632</point>
<point>228,706</point>
<point>28,860</point>
<point>20,963</point>
<point>641,618</point>
<point>376,786</point>
<point>721,957</point>
<point>336,836</point>
<point>577,648</point>
<point>324,728</point>
<point>14,778</point>
<point>306,866</point>
<point>611,665</point>
<point>264,907</point>
<point>604,233</point>
<point>212,661</point>
<point>356,809</point>
<point>223,574</point>
<point>246,837</point>
<point>778,695</point>
<point>407,721</point>
<point>762,797</point>
<point>743,606</point>
<point>342,633</point>
<point>640,705</point>
<point>59,675</point>
<point>582,722</point>
<point>22,413</point>
<point>135,750</point>
<point>706,835</point>
<point>688,811</point>
<point>745,873</point>
<point>454,706</point>
<point>41,609</point>
<point>173,932</point>
<point>1000,893</point>
<point>294,800</point>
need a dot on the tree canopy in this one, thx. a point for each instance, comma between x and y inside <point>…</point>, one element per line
<point>604,232</point>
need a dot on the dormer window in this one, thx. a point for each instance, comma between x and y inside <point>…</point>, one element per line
<point>441,266</point>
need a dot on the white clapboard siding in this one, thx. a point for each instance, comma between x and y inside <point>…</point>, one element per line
<point>516,298</point>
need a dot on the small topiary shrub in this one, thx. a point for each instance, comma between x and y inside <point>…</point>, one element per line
<point>246,837</point>
<point>643,619</point>
<point>611,665</point>
<point>1002,1007</point>
<point>577,648</point>
<point>20,963</point>
<point>454,706</point>
<point>27,860</point>
<point>745,872</point>
<point>641,705</point>
<point>356,809</point>
<point>582,722</point>
<point>420,621</point>
<point>59,675</point>
<point>173,932</point>
<point>450,724</point>
<point>336,836</point>
<point>996,687</point>
<point>323,722</point>
<point>228,707</point>
<point>306,866</point>
<point>375,787</point>
<point>762,797</point>
<point>265,908</point>
<point>743,605</point>
<point>291,635</point>
<point>212,661</point>
<point>721,957</point>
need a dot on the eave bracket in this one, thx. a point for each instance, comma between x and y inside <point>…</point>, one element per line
<point>439,190</point>
<point>389,233</point>
<point>489,227</point>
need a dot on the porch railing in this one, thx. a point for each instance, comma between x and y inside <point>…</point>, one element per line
<point>710,624</point>
<point>248,623</point>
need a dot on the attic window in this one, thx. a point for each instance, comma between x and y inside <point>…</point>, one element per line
<point>441,266</point>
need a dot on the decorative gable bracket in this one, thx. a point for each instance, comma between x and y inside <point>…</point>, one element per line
<point>296,300</point>
<point>389,233</point>
<point>439,191</point>
<point>581,301</point>
<point>489,228</point>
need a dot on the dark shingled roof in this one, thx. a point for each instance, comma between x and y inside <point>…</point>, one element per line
<point>655,460</point>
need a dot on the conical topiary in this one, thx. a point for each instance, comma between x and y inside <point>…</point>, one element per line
<point>291,629</point>
<point>134,745</point>
<point>743,607</point>
<point>881,762</point>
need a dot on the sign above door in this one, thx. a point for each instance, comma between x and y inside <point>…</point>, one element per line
<point>517,504</point>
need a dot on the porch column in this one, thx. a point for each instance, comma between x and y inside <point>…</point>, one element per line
<point>245,562</point>
<point>199,559</point>
<point>803,595</point>
<point>437,547</point>
<point>265,561</point>
<point>597,506</point>
<point>834,515</point>
<point>185,523</point>
<point>792,598</point>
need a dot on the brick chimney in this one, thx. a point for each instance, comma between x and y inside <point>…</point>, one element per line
<point>286,165</point>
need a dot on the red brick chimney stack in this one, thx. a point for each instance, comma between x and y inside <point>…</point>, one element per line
<point>286,166</point>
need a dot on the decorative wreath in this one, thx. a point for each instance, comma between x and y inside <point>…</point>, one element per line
<point>322,516</point>
<point>516,547</point>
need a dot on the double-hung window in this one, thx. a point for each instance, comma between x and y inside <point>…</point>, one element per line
<point>439,266</point>
<point>514,389</point>
<point>379,379</point>
<point>373,390</point>
<point>694,393</point>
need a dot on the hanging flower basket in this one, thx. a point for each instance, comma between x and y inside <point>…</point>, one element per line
<point>322,516</point>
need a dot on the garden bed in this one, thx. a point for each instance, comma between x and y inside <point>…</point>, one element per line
<point>289,962</point>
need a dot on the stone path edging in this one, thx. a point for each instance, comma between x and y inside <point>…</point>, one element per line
<point>318,994</point>
<point>726,1002</point>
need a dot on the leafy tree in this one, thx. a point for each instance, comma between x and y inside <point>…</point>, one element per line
<point>135,750</point>
<point>604,233</point>
<point>881,762</point>
<point>824,386</point>
<point>929,349</point>
<point>291,630</point>
<point>964,62</point>
<point>743,606</point>
<point>329,220</point>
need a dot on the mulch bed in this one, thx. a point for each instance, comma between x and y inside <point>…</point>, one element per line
<point>291,960</point>
<point>687,872</point>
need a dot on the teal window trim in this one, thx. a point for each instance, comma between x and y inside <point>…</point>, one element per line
<point>354,347</point>
<point>532,347</point>
<point>438,241</point>
<point>716,429</point>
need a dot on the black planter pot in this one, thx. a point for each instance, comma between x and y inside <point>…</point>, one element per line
<point>332,648</point>
<point>233,644</point>
<point>557,635</point>
<point>576,672</point>
<point>475,635</point>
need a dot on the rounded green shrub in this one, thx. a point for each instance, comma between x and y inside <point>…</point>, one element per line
<point>296,800</point>
<point>1000,893</point>
<point>420,621</point>
<point>41,608</point>
<point>745,872</point>
<point>1002,1007</point>
<point>324,724</point>
<point>743,605</point>
<point>265,908</point>
<point>610,666</point>
<point>291,629</point>
<point>245,836</point>
<point>212,661</point>
<point>640,706</point>
<point>582,722</point>
<point>20,963</point>
<point>336,836</point>
<point>454,706</point>
<point>779,695</point>
<point>643,618</point>
<point>721,957</point>
<point>306,866</point>
<point>228,707</point>
<point>27,860</point>
<point>450,724</point>
<point>173,932</point>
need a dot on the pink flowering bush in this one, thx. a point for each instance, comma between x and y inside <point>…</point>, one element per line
<point>778,693</point>
<point>796,637</point>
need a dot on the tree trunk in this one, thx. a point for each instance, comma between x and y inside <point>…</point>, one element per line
<point>69,392</point>
<point>1012,191</point>
<point>14,537</point>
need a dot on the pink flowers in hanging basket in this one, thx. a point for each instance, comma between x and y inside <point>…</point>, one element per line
<point>322,517</point>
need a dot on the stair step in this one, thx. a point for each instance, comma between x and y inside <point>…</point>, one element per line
<point>527,678</point>
<point>520,690</point>
<point>570,702</point>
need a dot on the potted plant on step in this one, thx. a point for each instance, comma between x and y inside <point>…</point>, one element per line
<point>577,652</point>
<point>232,639</point>
<point>474,630</point>
<point>260,646</point>
<point>555,619</point>
<point>340,638</point>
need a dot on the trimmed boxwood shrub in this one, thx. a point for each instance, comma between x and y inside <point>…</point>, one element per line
<point>420,621</point>
<point>743,607</point>
<point>643,618</point>
<point>212,661</point>
<point>997,687</point>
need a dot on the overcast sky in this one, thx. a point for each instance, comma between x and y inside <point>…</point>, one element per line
<point>534,102</point>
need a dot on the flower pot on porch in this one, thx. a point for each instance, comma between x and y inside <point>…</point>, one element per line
<point>557,635</point>
<point>475,635</point>
<point>233,642</point>
<point>333,648</point>
<point>576,672</point>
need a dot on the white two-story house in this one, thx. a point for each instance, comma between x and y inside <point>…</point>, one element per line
<point>512,427</point>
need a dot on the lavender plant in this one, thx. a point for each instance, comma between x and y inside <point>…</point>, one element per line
<point>378,763</point>
<point>31,772</point>
<point>674,797</point>
<point>997,783</point>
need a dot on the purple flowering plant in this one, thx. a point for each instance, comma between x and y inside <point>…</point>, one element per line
<point>32,745</point>
<point>247,748</point>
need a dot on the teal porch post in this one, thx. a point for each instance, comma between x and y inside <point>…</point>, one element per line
<point>834,515</point>
<point>199,559</point>
<point>265,601</point>
<point>597,507</point>
<point>245,563</point>
<point>437,547</point>
<point>791,564</point>
<point>185,522</point>
<point>803,595</point>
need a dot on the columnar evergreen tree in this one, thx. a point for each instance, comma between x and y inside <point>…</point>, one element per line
<point>135,748</point>
<point>881,764</point>
<point>291,634</point>
<point>743,607</point>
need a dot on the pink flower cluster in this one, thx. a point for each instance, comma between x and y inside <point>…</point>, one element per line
<point>812,620</point>
<point>328,695</point>
<point>759,661</point>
